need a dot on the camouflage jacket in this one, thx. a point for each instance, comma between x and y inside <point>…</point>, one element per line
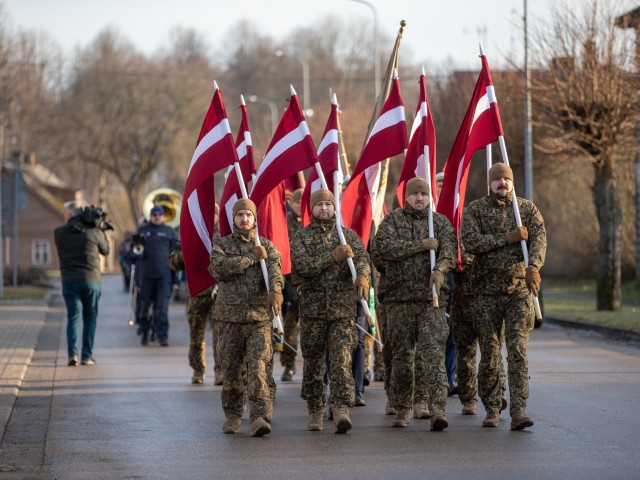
<point>499,267</point>
<point>398,252</point>
<point>242,296</point>
<point>325,287</point>
<point>462,284</point>
<point>176,263</point>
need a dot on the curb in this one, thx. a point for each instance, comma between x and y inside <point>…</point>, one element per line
<point>608,332</point>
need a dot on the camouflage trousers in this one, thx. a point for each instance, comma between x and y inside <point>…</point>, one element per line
<point>199,309</point>
<point>515,313</point>
<point>290,326</point>
<point>418,327</point>
<point>463,330</point>
<point>387,351</point>
<point>335,338</point>
<point>245,351</point>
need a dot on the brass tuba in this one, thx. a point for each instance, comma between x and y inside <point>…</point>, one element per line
<point>167,198</point>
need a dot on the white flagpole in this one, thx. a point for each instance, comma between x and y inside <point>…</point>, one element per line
<point>489,163</point>
<point>491,94</point>
<point>276,322</point>
<point>343,241</point>
<point>432,253</point>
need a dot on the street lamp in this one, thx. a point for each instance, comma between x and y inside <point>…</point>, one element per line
<point>272,106</point>
<point>376,63</point>
<point>308,111</point>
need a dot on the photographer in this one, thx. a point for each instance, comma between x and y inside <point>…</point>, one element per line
<point>153,243</point>
<point>80,242</point>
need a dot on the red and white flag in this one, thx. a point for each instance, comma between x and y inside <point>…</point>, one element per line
<point>481,126</point>
<point>328,152</point>
<point>232,191</point>
<point>423,134</point>
<point>214,151</point>
<point>290,151</point>
<point>387,139</point>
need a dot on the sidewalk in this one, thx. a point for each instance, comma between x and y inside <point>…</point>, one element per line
<point>20,325</point>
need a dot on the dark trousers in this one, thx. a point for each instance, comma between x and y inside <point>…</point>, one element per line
<point>156,291</point>
<point>357,357</point>
<point>81,299</point>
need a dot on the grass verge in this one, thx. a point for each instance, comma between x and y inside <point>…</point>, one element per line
<point>24,292</point>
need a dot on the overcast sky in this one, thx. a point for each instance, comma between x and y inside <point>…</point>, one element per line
<point>436,30</point>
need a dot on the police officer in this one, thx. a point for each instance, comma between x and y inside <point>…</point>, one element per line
<point>243,313</point>
<point>402,243</point>
<point>502,288</point>
<point>327,308</point>
<point>156,280</point>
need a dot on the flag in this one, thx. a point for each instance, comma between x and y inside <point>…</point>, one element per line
<point>232,191</point>
<point>481,126</point>
<point>423,133</point>
<point>272,224</point>
<point>214,151</point>
<point>387,139</point>
<point>290,151</point>
<point>328,158</point>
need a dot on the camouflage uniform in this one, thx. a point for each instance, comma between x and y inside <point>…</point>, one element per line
<point>464,331</point>
<point>199,309</point>
<point>327,310</point>
<point>412,322</point>
<point>290,325</point>
<point>244,320</point>
<point>502,296</point>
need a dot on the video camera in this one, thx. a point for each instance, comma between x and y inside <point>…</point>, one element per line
<point>95,217</point>
<point>137,243</point>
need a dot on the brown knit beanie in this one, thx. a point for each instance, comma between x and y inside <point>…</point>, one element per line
<point>244,204</point>
<point>296,196</point>
<point>415,185</point>
<point>500,170</point>
<point>319,195</point>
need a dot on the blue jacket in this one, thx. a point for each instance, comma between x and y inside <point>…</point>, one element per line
<point>160,240</point>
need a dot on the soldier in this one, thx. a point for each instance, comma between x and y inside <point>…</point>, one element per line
<point>402,243</point>
<point>244,314</point>
<point>503,287</point>
<point>464,332</point>
<point>290,308</point>
<point>199,309</point>
<point>327,308</point>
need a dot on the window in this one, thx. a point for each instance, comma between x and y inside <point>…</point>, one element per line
<point>40,252</point>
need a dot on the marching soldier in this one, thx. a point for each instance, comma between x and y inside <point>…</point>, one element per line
<point>244,316</point>
<point>502,288</point>
<point>327,308</point>
<point>402,244</point>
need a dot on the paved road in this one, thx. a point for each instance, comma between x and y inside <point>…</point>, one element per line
<point>136,415</point>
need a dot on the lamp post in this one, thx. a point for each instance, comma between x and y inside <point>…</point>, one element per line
<point>376,63</point>
<point>306,89</point>
<point>528,145</point>
<point>272,106</point>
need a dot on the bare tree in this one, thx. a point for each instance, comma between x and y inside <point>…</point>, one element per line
<point>588,102</point>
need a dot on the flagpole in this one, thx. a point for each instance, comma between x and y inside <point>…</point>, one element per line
<point>277,323</point>
<point>343,241</point>
<point>432,253</point>
<point>489,163</point>
<point>491,94</point>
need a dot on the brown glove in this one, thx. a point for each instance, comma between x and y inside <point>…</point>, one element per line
<point>517,234</point>
<point>342,253</point>
<point>437,279</point>
<point>275,301</point>
<point>259,252</point>
<point>361,286</point>
<point>430,243</point>
<point>532,277</point>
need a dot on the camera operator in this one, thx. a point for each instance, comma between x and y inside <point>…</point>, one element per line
<point>154,279</point>
<point>80,242</point>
